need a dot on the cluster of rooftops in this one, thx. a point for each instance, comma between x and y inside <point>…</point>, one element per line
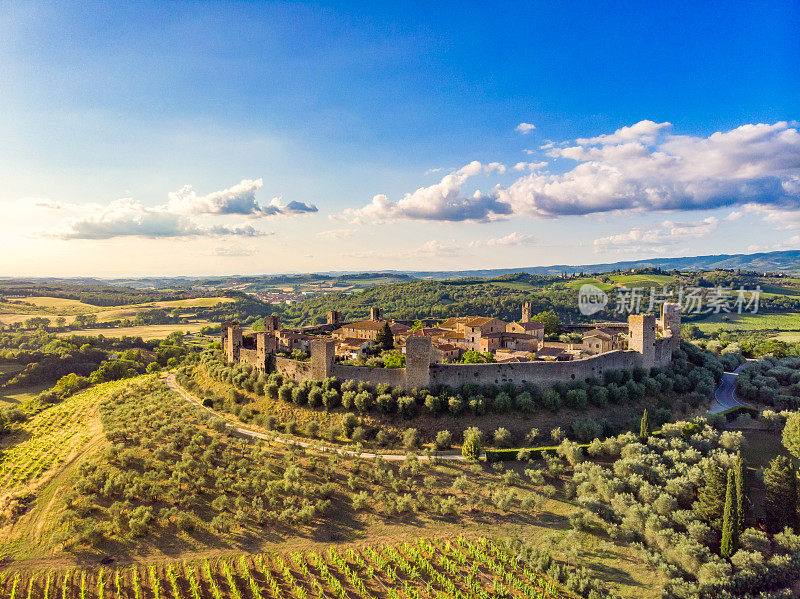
<point>507,341</point>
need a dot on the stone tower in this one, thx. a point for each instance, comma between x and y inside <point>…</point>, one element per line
<point>527,312</point>
<point>272,323</point>
<point>334,316</point>
<point>670,323</point>
<point>266,344</point>
<point>375,313</point>
<point>322,353</point>
<point>231,341</point>
<point>642,337</point>
<point>418,362</point>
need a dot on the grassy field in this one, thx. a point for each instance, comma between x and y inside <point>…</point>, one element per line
<point>50,307</point>
<point>578,283</point>
<point>21,394</point>
<point>62,305</point>
<point>42,459</point>
<point>146,332</point>
<point>749,322</point>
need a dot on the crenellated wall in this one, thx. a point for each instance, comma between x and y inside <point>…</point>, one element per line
<point>646,349</point>
<point>541,373</point>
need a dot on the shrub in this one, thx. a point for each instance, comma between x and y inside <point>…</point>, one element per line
<point>381,438</point>
<point>411,439</point>
<point>599,396</point>
<point>471,449</point>
<point>312,429</point>
<point>577,399</point>
<point>300,395</point>
<point>385,403</point>
<point>502,437</point>
<point>218,424</point>
<point>551,400</point>
<point>406,406</point>
<point>443,440</point>
<point>363,401</point>
<point>331,399</point>
<point>586,429</point>
<point>525,402</point>
<point>433,404</point>
<point>455,405</point>
<point>348,399</point>
<point>349,423</point>
<point>502,403</point>
<point>477,405</point>
<point>359,434</point>
<point>570,451</point>
<point>315,397</point>
<point>285,392</point>
<point>334,432</point>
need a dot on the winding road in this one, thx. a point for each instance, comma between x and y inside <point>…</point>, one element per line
<point>238,428</point>
<point>725,393</point>
<point>724,399</point>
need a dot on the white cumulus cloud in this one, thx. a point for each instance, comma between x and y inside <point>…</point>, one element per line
<point>643,168</point>
<point>336,233</point>
<point>525,128</point>
<point>657,239</point>
<point>127,217</point>
<point>443,201</point>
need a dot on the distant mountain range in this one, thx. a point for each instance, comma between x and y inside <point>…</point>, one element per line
<point>775,262</point>
<point>787,262</point>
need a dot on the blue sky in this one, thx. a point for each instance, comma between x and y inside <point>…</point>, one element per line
<point>107,110</point>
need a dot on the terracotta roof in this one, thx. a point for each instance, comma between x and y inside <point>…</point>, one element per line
<point>530,326</point>
<point>551,352</point>
<point>290,334</point>
<point>478,321</point>
<point>445,346</point>
<point>427,332</point>
<point>363,325</point>
<point>518,335</point>
<point>452,335</point>
<point>602,333</point>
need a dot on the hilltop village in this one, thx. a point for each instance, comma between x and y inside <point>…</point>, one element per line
<point>432,353</point>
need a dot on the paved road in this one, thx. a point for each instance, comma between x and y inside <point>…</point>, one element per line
<point>238,427</point>
<point>725,393</point>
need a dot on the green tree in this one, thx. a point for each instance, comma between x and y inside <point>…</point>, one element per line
<point>780,494</point>
<point>384,339</point>
<point>711,497</point>
<point>729,519</point>
<point>741,498</point>
<point>471,449</point>
<point>644,428</point>
<point>550,320</point>
<point>791,434</point>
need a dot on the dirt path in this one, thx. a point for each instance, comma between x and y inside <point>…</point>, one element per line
<point>237,427</point>
<point>29,530</point>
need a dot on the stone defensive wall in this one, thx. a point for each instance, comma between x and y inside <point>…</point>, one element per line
<point>651,343</point>
<point>420,372</point>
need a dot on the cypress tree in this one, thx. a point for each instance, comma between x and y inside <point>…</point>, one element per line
<point>711,495</point>
<point>780,494</point>
<point>741,498</point>
<point>729,520</point>
<point>384,337</point>
<point>644,428</point>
